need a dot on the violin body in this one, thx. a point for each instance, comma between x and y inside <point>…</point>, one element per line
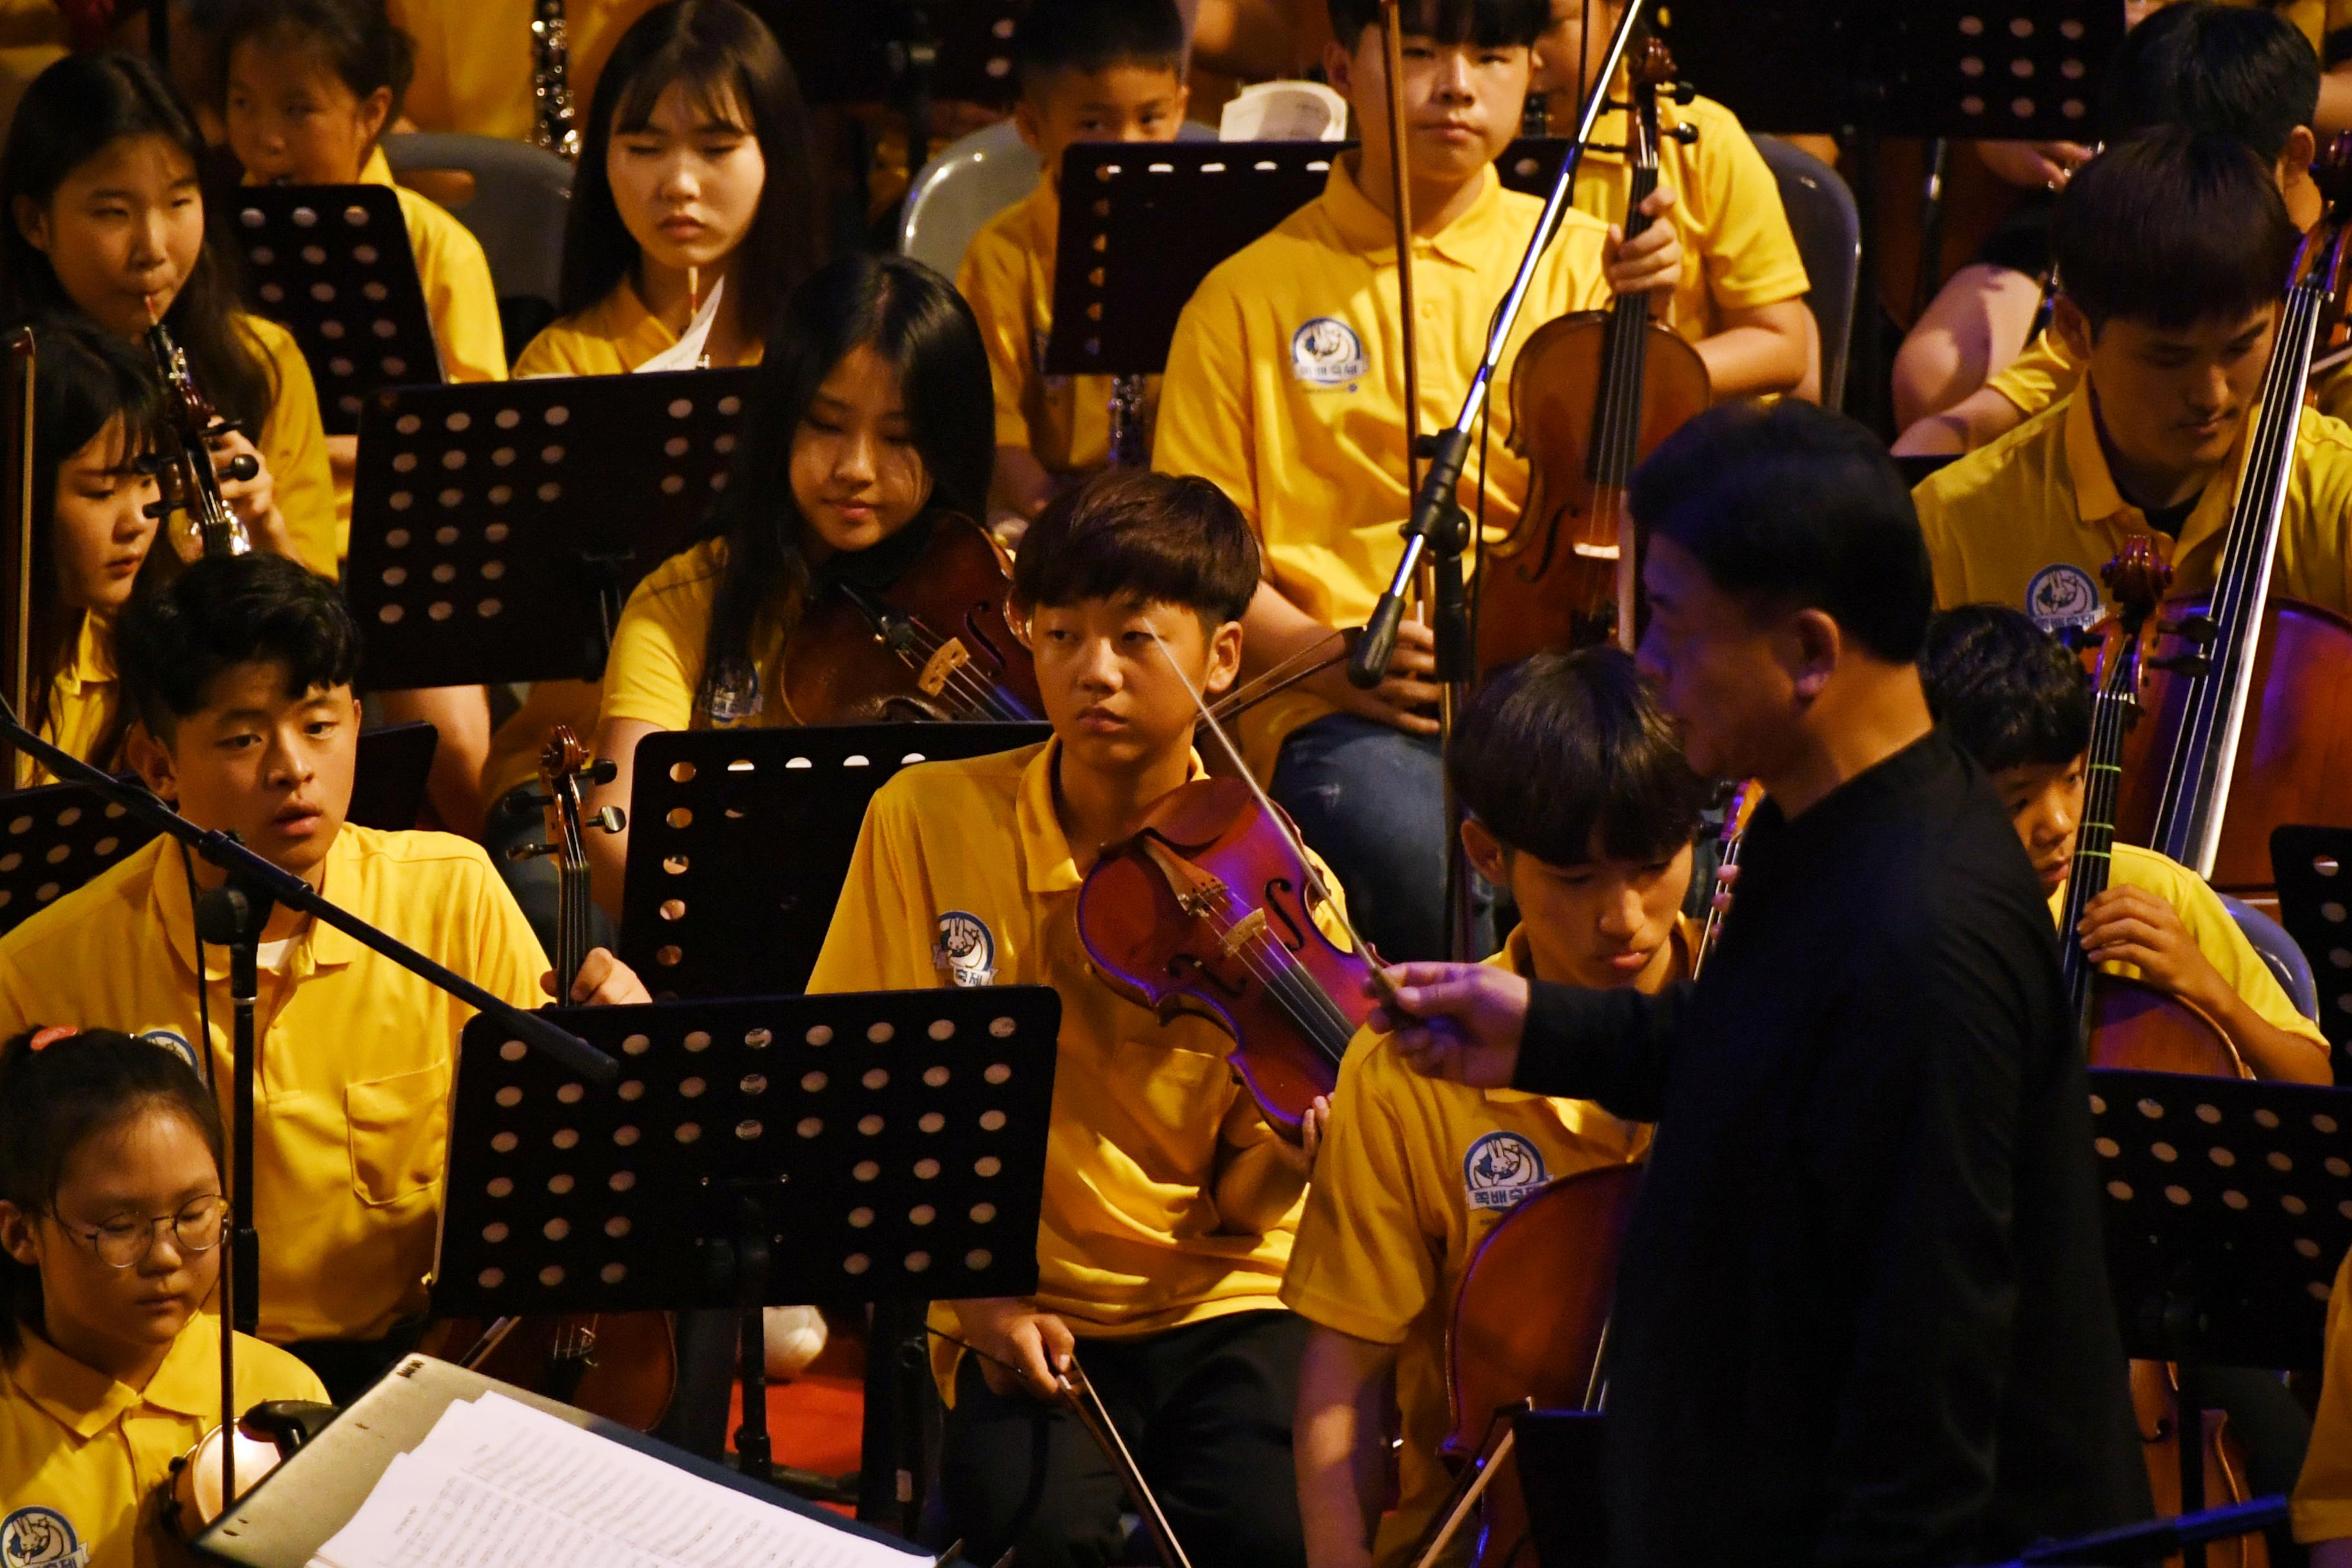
<point>1551,583</point>
<point>622,1366</point>
<point>2294,752</point>
<point>933,645</point>
<point>1205,909</point>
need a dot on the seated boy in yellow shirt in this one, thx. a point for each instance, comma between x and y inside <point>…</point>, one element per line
<point>1091,70</point>
<point>1286,386</point>
<point>2237,71</point>
<point>1169,1203</point>
<point>1740,299</point>
<point>1578,801</point>
<point>240,673</point>
<point>2174,247</point>
<point>2322,1506</point>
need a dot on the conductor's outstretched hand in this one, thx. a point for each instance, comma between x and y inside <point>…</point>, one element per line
<point>1457,1021</point>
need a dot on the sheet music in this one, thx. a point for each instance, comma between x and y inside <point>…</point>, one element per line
<point>497,1484</point>
<point>687,352</point>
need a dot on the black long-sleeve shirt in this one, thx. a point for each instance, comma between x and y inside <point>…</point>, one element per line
<point>1863,1315</point>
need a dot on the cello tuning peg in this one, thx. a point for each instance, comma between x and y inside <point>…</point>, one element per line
<point>2198,629</point>
<point>1685,135</point>
<point>604,771</point>
<point>1683,93</point>
<point>2193,665</point>
<point>529,851</point>
<point>610,819</point>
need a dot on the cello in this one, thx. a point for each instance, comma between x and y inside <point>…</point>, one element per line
<point>1591,395</point>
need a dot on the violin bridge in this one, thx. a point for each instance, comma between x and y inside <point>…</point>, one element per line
<point>1247,928</point>
<point>1596,551</point>
<point>951,656</point>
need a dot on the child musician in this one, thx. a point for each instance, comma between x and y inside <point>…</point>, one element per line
<point>1579,802</point>
<point>2322,1507</point>
<point>1091,70</point>
<point>107,220</point>
<point>240,674</point>
<point>111,1211</point>
<point>1286,386</point>
<point>1169,1201</point>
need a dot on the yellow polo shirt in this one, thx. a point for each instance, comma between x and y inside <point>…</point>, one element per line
<point>1285,386</point>
<point>84,696</point>
<point>474,60</point>
<point>1007,277</point>
<point>1413,1174</point>
<point>2321,1505</point>
<point>2029,519</point>
<point>655,667</point>
<point>351,1082</point>
<point>2211,925</point>
<point>1739,251</point>
<point>1153,1143</point>
<point>2048,371</point>
<point>293,443</point>
<point>81,1455</point>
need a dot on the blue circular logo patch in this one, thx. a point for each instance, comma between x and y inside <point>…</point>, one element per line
<point>2063,598</point>
<point>1327,352</point>
<point>1499,1170</point>
<point>40,1538</point>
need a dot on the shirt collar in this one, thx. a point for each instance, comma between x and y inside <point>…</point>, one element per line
<point>378,171</point>
<point>319,945</point>
<point>1464,242</point>
<point>1518,955</point>
<point>1049,865</point>
<point>93,656</point>
<point>1771,837</point>
<point>87,1402</point>
<point>2098,502</point>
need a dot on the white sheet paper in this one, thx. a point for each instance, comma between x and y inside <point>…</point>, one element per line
<point>1285,112</point>
<point>687,352</point>
<point>497,1484</point>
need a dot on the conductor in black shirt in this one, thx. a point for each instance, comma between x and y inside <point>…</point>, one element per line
<point>1863,1314</point>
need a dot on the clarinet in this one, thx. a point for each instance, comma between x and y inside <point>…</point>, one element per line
<point>184,460</point>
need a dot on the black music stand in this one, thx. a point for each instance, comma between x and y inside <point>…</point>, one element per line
<point>1558,1453</point>
<point>901,52</point>
<point>332,264</point>
<point>498,526</point>
<point>2315,894</point>
<point>2228,1208</point>
<point>738,841</point>
<point>55,837</point>
<point>299,1507</point>
<point>884,1147</point>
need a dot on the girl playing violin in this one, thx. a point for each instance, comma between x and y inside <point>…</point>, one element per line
<point>110,1219</point>
<point>106,219</point>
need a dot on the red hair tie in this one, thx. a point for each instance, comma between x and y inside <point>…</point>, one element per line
<point>52,1035</point>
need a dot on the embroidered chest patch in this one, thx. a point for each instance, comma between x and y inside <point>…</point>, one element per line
<point>1327,352</point>
<point>40,1538</point>
<point>2063,598</point>
<point>1500,1169</point>
<point>965,949</point>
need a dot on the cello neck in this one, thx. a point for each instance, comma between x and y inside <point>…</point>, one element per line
<point>2110,712</point>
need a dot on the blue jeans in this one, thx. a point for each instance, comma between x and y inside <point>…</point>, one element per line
<point>1371,800</point>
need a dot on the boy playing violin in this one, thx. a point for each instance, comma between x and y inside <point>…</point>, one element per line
<point>1579,802</point>
<point>1169,1203</point>
<point>1285,386</point>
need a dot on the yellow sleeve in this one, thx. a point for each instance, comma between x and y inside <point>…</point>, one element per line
<point>507,959</point>
<point>2039,377</point>
<point>1205,420</point>
<point>16,1009</point>
<point>1943,551</point>
<point>265,1373</point>
<point>655,665</point>
<point>556,351</point>
<point>293,442</point>
<point>459,295</point>
<point>883,926</point>
<point>990,281</point>
<point>1751,253</point>
<point>2321,1505</point>
<point>1362,1264</point>
<point>2224,945</point>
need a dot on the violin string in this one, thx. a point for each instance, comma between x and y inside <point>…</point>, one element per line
<point>980,695</point>
<point>1302,995</point>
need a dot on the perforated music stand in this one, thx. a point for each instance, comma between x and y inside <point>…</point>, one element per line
<point>738,840</point>
<point>878,1147</point>
<point>2228,1208</point>
<point>2314,868</point>
<point>333,263</point>
<point>866,54</point>
<point>498,526</point>
<point>56,838</point>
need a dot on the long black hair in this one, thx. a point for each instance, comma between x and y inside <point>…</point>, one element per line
<point>85,377</point>
<point>72,113</point>
<point>54,1099</point>
<point>915,320</point>
<point>727,62</point>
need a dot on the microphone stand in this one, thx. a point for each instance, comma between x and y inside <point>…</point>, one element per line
<point>232,915</point>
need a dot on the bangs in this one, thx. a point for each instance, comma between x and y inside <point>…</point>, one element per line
<point>1485,24</point>
<point>712,84</point>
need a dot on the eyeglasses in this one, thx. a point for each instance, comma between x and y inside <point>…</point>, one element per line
<point>125,1242</point>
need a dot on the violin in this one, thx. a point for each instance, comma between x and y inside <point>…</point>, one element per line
<point>620,1366</point>
<point>2219,770</point>
<point>934,644</point>
<point>1591,395</point>
<point>189,484</point>
<point>265,1436</point>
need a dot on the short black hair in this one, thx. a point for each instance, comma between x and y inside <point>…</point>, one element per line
<point>2171,228</point>
<point>1169,541</point>
<point>1489,24</point>
<point>225,611</point>
<point>1564,755</point>
<point>1089,36</point>
<point>1796,508</point>
<point>356,38</point>
<point>2236,70</point>
<point>2008,691</point>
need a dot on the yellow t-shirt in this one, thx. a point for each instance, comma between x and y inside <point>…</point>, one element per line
<point>82,1455</point>
<point>1149,1128</point>
<point>2210,924</point>
<point>356,1054</point>
<point>1398,1210</point>
<point>1739,251</point>
<point>293,443</point>
<point>1007,277</point>
<point>474,60</point>
<point>2321,1505</point>
<point>1285,386</point>
<point>84,696</point>
<point>2029,519</point>
<point>655,667</point>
